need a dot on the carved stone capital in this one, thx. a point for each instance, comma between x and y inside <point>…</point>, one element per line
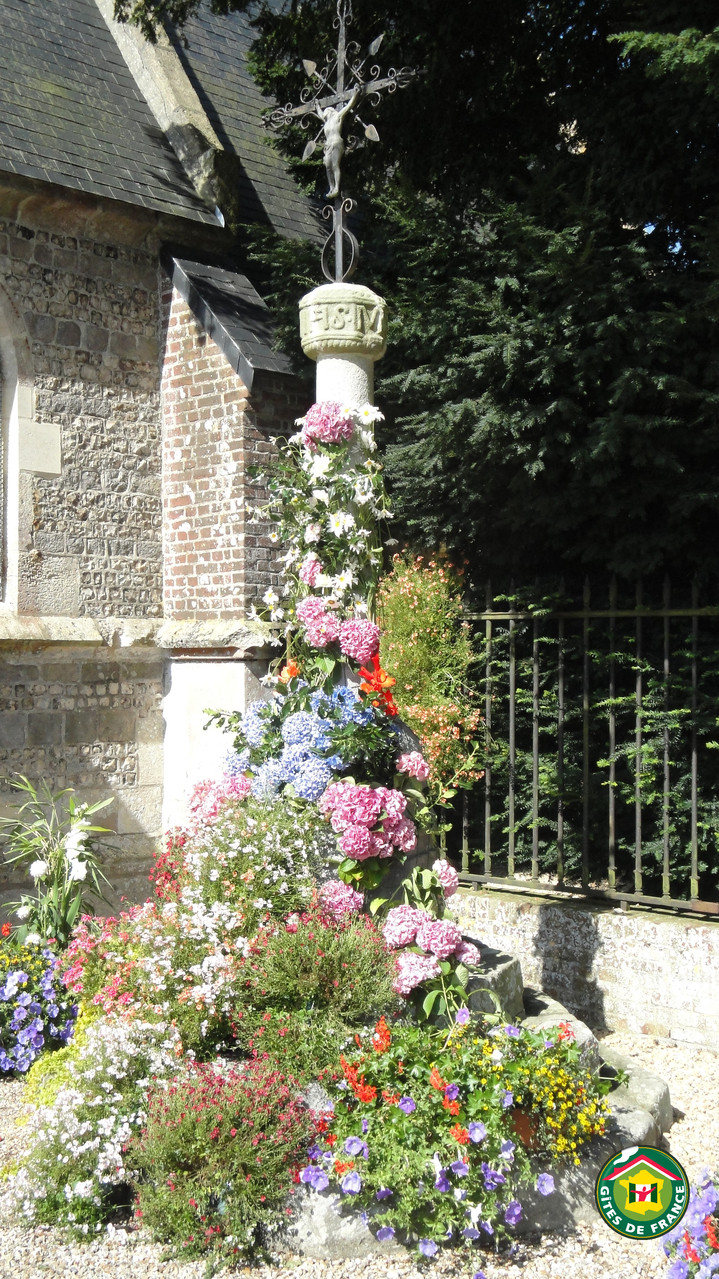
<point>343,319</point>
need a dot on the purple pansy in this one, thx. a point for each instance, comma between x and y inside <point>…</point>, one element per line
<point>460,1168</point>
<point>384,1193</point>
<point>545,1183</point>
<point>351,1183</point>
<point>477,1132</point>
<point>427,1247</point>
<point>487,1227</point>
<point>513,1212</point>
<point>356,1146</point>
<point>451,1092</point>
<point>492,1179</point>
<point>385,1232</point>
<point>513,1031</point>
<point>471,1233</point>
<point>315,1177</point>
<point>507,1100</point>
<point>441,1182</point>
<point>506,1150</point>
<point>407,1104</point>
<point>462,1016</point>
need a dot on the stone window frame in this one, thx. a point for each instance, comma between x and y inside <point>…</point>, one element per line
<point>26,445</point>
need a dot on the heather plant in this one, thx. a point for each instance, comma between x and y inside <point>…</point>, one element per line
<point>217,1156</point>
<point>313,961</point>
<point>53,839</point>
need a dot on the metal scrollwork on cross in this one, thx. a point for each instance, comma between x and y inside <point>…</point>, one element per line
<point>334,104</point>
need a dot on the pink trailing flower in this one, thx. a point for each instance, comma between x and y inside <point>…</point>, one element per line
<point>447,876</point>
<point>208,797</point>
<point>340,900</point>
<point>400,926</point>
<point>468,954</point>
<point>414,765</point>
<point>439,936</point>
<point>326,423</point>
<point>310,569</point>
<point>359,640</point>
<point>413,970</point>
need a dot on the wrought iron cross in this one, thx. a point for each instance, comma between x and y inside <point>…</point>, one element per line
<point>333,104</point>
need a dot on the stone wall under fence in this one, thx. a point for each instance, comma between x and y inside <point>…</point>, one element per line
<point>616,969</point>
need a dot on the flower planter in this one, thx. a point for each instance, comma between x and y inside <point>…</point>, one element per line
<point>526,1128</point>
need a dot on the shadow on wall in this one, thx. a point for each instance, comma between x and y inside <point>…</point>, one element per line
<point>566,944</point>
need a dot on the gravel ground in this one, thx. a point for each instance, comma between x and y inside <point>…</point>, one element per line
<point>586,1253</point>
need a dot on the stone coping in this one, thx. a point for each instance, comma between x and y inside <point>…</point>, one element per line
<point>188,637</point>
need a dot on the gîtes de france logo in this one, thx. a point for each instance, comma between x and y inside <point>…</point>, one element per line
<point>642,1192</point>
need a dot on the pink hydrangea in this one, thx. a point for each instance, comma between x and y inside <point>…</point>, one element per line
<point>413,970</point>
<point>404,835</point>
<point>351,804</point>
<point>356,841</point>
<point>447,876</point>
<point>382,845</point>
<point>359,640</point>
<point>468,954</point>
<point>340,900</point>
<point>414,765</point>
<point>439,936</point>
<point>326,423</point>
<point>309,608</point>
<point>310,569</point>
<point>393,803</point>
<point>400,926</point>
<point>322,630</point>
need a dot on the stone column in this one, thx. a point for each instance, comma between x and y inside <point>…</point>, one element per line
<point>344,328</point>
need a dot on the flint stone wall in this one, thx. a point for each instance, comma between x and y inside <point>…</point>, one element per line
<point>615,969</point>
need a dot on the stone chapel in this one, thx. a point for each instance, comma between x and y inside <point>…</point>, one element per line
<point>139,382</point>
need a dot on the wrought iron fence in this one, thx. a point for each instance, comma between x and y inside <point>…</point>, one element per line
<point>601,769</point>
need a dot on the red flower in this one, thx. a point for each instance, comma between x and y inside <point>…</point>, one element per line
<point>381,1039</point>
<point>690,1252</point>
<point>6,930</point>
<point>378,681</point>
<point>712,1238</point>
<point>451,1106</point>
<point>364,1092</point>
<point>460,1134</point>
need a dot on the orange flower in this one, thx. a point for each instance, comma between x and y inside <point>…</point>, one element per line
<point>460,1134</point>
<point>712,1239</point>
<point>392,1098</point>
<point>343,1165</point>
<point>451,1106</point>
<point>288,672</point>
<point>6,930</point>
<point>436,1080</point>
<point>378,681</point>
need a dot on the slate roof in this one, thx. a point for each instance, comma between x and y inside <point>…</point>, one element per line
<point>213,51</point>
<point>232,313</point>
<point>71,113</point>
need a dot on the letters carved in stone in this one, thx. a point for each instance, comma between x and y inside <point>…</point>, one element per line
<point>343,319</point>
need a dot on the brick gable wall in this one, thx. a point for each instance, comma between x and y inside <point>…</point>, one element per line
<point>216,562</point>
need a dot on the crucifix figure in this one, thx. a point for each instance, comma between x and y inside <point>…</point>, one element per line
<point>334,105</point>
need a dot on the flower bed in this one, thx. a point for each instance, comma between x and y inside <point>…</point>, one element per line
<point>269,958</point>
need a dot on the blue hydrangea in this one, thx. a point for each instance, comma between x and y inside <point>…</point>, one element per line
<point>313,779</point>
<point>347,702</point>
<point>300,729</point>
<point>236,763</point>
<point>254,723</point>
<point>267,780</point>
<point>291,761</point>
<point>336,763</point>
<point>320,702</point>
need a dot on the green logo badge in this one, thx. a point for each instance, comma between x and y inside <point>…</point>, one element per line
<point>642,1192</point>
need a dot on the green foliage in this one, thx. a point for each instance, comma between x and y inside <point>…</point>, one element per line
<point>52,839</point>
<point>216,1158</point>
<point>302,1041</point>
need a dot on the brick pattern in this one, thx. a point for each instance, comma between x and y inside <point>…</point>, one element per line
<point>215,562</point>
<point>91,313</point>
